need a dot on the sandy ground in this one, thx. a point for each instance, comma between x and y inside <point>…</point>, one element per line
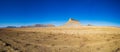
<point>59,39</point>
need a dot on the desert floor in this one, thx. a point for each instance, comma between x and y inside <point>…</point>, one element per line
<point>60,39</point>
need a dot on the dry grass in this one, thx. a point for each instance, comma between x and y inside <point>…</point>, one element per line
<point>60,39</point>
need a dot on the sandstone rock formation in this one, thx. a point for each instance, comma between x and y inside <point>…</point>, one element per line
<point>72,23</point>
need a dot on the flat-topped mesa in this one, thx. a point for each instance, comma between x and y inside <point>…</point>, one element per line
<point>72,23</point>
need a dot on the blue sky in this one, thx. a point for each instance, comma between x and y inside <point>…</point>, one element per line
<point>29,12</point>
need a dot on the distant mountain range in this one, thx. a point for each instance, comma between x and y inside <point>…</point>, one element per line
<point>36,25</point>
<point>71,23</point>
<point>39,25</point>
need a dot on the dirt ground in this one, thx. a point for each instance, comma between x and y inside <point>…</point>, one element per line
<point>60,39</point>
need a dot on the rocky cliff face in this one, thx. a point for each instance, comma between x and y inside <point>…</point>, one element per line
<point>72,23</point>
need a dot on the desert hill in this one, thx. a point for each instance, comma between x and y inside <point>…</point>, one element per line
<point>71,37</point>
<point>72,23</point>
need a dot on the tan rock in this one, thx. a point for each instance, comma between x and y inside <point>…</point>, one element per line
<point>72,23</point>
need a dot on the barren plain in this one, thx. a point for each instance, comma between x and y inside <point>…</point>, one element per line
<point>60,39</point>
